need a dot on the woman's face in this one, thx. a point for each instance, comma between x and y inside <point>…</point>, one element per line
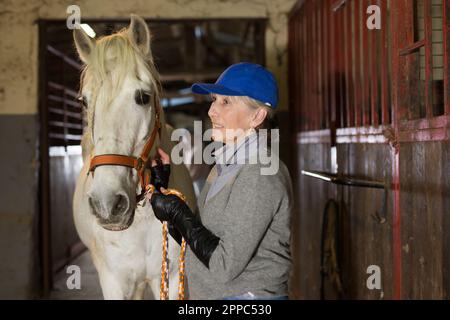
<point>231,118</point>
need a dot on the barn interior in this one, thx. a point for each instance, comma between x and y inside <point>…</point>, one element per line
<point>364,120</point>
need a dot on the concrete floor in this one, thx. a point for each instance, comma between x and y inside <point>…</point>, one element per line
<point>90,285</point>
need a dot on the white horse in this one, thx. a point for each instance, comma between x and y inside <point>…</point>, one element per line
<point>120,87</point>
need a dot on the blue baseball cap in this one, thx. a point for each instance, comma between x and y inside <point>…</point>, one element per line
<point>243,79</point>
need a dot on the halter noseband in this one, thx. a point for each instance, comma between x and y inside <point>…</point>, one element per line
<point>139,164</point>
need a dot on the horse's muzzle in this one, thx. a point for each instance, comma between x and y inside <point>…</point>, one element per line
<point>114,212</point>
<point>116,226</point>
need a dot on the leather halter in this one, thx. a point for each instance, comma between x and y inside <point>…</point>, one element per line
<point>139,164</point>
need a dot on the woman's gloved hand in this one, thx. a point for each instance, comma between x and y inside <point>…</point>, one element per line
<point>175,211</point>
<point>160,174</point>
<point>160,170</point>
<point>167,207</point>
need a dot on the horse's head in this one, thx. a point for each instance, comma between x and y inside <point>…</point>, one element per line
<point>120,89</point>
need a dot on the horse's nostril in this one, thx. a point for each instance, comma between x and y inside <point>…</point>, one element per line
<point>120,205</point>
<point>93,204</point>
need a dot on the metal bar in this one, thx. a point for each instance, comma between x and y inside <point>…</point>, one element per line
<point>412,48</point>
<point>313,69</point>
<point>404,37</point>
<point>65,137</point>
<point>64,57</point>
<point>346,69</point>
<point>374,77</point>
<point>366,74</point>
<point>58,86</point>
<point>357,84</point>
<point>350,60</point>
<point>68,125</point>
<point>296,71</point>
<point>320,64</point>
<point>66,101</point>
<point>305,74</point>
<point>62,112</point>
<point>338,4</point>
<point>291,75</point>
<point>310,125</point>
<point>296,75</point>
<point>384,64</point>
<point>305,69</point>
<point>446,43</point>
<point>333,64</point>
<point>341,68</point>
<point>428,60</point>
<point>344,180</point>
<point>326,65</point>
<point>316,67</point>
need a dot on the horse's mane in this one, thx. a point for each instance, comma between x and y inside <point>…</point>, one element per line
<point>115,53</point>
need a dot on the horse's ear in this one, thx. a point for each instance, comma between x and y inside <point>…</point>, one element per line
<point>139,34</point>
<point>84,44</point>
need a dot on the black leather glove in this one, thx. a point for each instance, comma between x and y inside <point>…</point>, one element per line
<point>175,211</point>
<point>160,175</point>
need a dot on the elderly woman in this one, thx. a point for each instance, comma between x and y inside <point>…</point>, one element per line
<point>239,241</point>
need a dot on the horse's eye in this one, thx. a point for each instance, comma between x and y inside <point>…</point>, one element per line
<point>83,101</point>
<point>141,97</point>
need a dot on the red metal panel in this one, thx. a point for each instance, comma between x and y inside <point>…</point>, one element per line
<point>428,60</point>
<point>384,64</point>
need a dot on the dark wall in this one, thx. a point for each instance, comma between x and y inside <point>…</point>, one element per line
<point>424,213</point>
<point>19,206</point>
<point>425,207</point>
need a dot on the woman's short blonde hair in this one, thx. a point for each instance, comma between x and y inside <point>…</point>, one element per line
<point>268,122</point>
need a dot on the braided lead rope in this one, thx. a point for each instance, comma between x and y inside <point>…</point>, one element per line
<point>181,271</point>
<point>181,260</point>
<point>164,286</point>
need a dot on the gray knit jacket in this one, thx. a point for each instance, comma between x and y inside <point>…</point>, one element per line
<point>251,215</point>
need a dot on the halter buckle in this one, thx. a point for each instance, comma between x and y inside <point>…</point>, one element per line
<point>139,164</point>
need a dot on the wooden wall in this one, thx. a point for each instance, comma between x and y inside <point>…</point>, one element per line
<point>400,140</point>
